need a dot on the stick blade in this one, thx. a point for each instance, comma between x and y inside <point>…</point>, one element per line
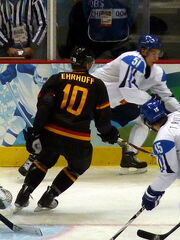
<point>148,235</point>
<point>27,230</point>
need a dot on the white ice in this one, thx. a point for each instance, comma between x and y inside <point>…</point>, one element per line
<point>99,204</point>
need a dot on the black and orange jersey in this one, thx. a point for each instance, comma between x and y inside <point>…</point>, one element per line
<point>67,103</point>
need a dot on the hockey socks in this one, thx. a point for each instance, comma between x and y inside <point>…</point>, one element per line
<point>65,179</point>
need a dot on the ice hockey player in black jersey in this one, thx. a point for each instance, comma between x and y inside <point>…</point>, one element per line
<point>67,103</point>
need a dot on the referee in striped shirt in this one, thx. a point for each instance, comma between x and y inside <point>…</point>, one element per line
<point>23,26</point>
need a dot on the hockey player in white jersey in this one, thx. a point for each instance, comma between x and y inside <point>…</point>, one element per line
<point>167,148</point>
<point>128,78</point>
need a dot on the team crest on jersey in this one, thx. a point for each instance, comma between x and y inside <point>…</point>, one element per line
<point>162,147</point>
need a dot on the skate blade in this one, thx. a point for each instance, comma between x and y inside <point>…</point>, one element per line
<point>131,171</point>
<point>40,209</point>
<point>17,209</point>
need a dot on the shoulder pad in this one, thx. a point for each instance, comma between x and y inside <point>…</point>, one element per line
<point>160,72</point>
<point>164,77</point>
<point>135,62</point>
<point>162,146</point>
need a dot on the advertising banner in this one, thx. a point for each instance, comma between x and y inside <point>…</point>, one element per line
<point>19,87</point>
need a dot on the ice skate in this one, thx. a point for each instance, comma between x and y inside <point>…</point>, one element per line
<point>22,199</point>
<point>47,201</point>
<point>130,164</point>
<point>23,170</point>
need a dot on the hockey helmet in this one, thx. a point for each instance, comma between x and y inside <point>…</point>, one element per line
<point>81,56</point>
<point>5,198</point>
<point>149,41</point>
<point>152,111</point>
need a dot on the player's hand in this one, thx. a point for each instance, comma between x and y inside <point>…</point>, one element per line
<point>12,52</point>
<point>27,52</point>
<point>111,136</point>
<point>33,142</point>
<point>156,98</point>
<point>151,198</point>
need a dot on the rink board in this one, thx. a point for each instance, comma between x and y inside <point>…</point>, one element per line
<point>102,156</point>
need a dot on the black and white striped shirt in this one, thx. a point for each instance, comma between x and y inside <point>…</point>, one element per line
<point>14,13</point>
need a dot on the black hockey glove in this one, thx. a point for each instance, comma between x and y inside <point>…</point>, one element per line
<point>156,98</point>
<point>33,143</point>
<point>110,137</point>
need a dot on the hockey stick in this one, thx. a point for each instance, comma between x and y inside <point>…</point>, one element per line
<point>128,223</point>
<point>122,141</point>
<point>22,229</point>
<point>153,236</point>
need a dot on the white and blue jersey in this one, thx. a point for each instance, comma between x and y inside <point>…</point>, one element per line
<point>130,72</point>
<point>167,148</point>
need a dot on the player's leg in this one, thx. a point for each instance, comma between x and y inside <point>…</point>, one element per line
<point>34,177</point>
<point>78,156</point>
<point>23,170</point>
<point>62,182</point>
<point>44,160</point>
<point>138,135</point>
<point>123,114</point>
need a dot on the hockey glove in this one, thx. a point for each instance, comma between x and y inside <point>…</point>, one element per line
<point>111,136</point>
<point>33,142</point>
<point>156,98</point>
<point>151,198</point>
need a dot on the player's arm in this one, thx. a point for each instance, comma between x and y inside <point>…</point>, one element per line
<point>161,89</point>
<point>40,14</point>
<point>45,104</point>
<point>46,99</point>
<point>3,38</point>
<point>168,163</point>
<point>102,117</point>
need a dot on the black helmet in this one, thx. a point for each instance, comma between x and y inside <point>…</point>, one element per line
<point>81,56</point>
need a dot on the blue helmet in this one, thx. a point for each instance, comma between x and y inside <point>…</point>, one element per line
<point>152,111</point>
<point>149,41</point>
